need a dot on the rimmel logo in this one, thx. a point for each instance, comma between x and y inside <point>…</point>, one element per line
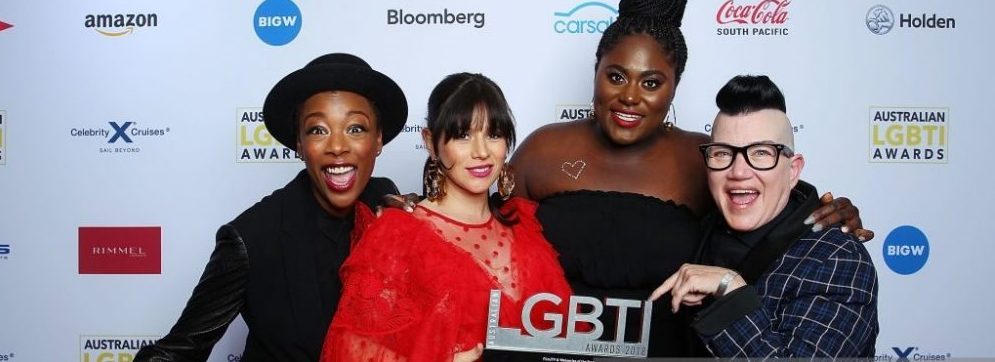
<point>770,12</point>
<point>277,22</point>
<point>119,24</point>
<point>120,250</point>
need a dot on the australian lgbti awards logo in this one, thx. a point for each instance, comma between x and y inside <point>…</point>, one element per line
<point>120,250</point>
<point>756,18</point>
<point>3,139</point>
<point>909,134</point>
<point>253,142</point>
<point>587,17</point>
<point>112,348</point>
<point>573,112</point>
<point>277,22</point>
<point>880,20</point>
<point>120,136</point>
<point>115,25</point>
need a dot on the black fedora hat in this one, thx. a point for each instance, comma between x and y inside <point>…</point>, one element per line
<point>331,72</point>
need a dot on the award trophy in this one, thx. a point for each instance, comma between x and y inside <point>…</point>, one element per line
<point>564,342</point>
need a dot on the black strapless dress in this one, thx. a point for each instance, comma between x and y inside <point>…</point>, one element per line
<point>624,245</point>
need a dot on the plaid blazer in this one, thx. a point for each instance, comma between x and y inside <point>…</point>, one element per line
<point>817,299</point>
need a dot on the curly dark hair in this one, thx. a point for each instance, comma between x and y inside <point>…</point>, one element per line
<point>660,19</point>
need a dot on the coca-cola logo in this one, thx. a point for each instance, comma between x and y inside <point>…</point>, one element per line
<point>764,12</point>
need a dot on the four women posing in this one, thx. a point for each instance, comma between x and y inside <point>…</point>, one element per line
<point>619,199</point>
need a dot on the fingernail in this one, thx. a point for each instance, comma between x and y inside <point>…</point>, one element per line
<point>861,238</point>
<point>810,220</point>
<point>845,230</point>
<point>816,228</point>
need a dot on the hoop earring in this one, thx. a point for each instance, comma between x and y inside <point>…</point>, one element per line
<point>668,125</point>
<point>434,181</point>
<point>506,182</point>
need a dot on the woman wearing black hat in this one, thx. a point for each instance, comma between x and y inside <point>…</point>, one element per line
<point>277,263</point>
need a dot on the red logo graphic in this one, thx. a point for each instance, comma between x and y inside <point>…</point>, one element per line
<point>4,26</point>
<point>764,12</point>
<point>120,250</point>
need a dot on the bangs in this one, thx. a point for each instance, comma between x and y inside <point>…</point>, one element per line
<point>456,114</point>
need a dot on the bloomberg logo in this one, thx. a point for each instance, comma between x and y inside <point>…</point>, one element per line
<point>399,17</point>
<point>880,20</point>
<point>277,22</point>
<point>590,17</point>
<point>906,250</point>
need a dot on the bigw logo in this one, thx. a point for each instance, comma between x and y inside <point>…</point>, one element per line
<point>906,250</point>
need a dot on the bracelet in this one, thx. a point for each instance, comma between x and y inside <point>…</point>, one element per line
<point>724,283</point>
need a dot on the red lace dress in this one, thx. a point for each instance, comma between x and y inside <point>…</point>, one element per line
<point>416,286</point>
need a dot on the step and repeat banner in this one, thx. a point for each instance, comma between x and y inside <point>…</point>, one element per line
<point>131,130</point>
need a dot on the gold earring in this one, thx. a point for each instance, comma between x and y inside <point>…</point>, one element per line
<point>506,182</point>
<point>433,180</point>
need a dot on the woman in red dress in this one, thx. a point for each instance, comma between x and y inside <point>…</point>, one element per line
<point>416,286</point>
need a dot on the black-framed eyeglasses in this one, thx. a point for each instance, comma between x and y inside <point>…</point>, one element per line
<point>761,156</point>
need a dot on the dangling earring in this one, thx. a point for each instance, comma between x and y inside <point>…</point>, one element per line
<point>668,125</point>
<point>434,181</point>
<point>506,182</point>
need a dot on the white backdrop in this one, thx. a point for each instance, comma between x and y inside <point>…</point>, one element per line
<point>186,72</point>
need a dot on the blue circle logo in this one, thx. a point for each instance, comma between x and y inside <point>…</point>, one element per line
<point>277,22</point>
<point>880,19</point>
<point>906,250</point>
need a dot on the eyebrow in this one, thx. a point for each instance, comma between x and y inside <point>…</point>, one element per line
<point>641,74</point>
<point>349,113</point>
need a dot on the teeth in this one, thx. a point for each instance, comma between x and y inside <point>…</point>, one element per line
<point>628,117</point>
<point>338,170</point>
<point>742,192</point>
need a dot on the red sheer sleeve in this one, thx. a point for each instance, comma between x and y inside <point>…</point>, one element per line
<point>384,314</point>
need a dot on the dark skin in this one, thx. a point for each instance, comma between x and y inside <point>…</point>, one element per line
<point>626,147</point>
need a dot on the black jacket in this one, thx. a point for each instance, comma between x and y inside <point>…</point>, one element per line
<point>262,266</point>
